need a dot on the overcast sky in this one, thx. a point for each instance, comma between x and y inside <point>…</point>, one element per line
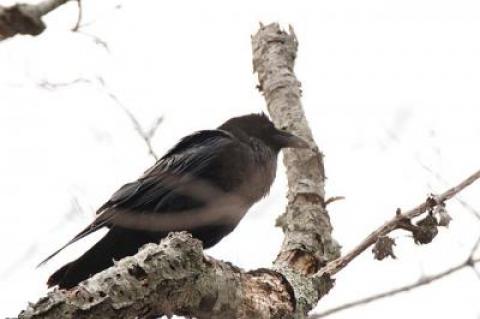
<point>391,90</point>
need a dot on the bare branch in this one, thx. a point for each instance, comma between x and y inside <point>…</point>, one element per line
<point>145,135</point>
<point>459,199</point>
<point>471,261</point>
<point>80,26</point>
<point>333,199</point>
<point>79,17</point>
<point>96,39</point>
<point>99,16</point>
<point>25,18</point>
<point>476,271</point>
<point>79,29</point>
<point>422,282</point>
<point>336,265</point>
<point>44,84</point>
<point>474,248</point>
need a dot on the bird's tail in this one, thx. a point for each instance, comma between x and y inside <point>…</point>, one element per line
<point>92,261</point>
<point>116,244</point>
<point>57,276</point>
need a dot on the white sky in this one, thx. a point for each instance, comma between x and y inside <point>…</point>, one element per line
<point>389,86</point>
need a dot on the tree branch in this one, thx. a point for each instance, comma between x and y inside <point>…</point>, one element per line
<point>146,135</point>
<point>470,261</point>
<point>462,202</point>
<point>420,283</point>
<point>173,277</point>
<point>79,16</point>
<point>308,243</point>
<point>396,222</point>
<point>25,18</point>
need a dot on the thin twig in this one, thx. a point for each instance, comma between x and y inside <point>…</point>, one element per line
<point>474,249</point>
<point>146,134</point>
<point>100,15</point>
<point>422,282</point>
<point>80,27</point>
<point>96,39</point>
<point>476,271</point>
<point>44,84</point>
<point>471,259</point>
<point>79,16</point>
<point>462,202</point>
<point>338,264</point>
<point>333,199</point>
<point>147,137</point>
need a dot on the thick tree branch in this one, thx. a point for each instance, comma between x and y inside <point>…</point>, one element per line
<point>308,243</point>
<point>25,18</point>
<point>171,278</point>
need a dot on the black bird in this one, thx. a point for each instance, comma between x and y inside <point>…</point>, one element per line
<point>205,185</point>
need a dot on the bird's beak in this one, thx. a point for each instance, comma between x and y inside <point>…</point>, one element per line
<point>285,139</point>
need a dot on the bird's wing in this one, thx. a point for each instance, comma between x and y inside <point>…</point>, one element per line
<point>194,157</point>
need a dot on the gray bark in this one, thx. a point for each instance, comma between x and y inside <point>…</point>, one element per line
<point>173,277</point>
<point>308,244</point>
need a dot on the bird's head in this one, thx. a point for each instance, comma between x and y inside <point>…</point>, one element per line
<point>260,127</point>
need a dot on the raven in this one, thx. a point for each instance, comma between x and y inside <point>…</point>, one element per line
<point>204,185</point>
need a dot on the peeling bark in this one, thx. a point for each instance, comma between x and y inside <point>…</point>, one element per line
<point>25,18</point>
